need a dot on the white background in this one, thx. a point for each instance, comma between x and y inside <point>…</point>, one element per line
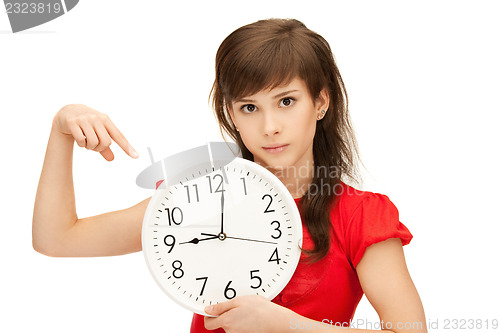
<point>423,85</point>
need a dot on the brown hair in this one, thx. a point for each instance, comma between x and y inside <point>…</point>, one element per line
<point>269,53</point>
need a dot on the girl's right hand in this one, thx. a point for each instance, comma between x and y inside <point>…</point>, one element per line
<point>91,129</point>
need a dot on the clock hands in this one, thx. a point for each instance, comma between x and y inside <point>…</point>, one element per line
<point>245,239</point>
<point>196,240</point>
<point>213,236</point>
<point>222,235</point>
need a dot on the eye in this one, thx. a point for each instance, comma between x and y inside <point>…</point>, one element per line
<point>248,108</point>
<point>287,101</point>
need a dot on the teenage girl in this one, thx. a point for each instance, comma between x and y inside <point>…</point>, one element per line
<point>280,97</point>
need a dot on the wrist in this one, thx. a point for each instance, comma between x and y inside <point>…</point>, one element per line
<point>60,142</point>
<point>60,136</point>
<point>289,322</point>
<point>56,130</point>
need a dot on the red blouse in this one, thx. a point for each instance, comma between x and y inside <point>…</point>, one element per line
<point>329,289</point>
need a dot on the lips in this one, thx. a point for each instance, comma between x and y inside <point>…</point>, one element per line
<point>277,148</point>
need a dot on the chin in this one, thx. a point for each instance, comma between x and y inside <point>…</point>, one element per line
<point>274,165</point>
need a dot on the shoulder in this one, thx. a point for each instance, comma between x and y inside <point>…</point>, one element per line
<point>351,200</point>
<point>362,218</point>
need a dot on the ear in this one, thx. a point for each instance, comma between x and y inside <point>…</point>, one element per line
<point>323,100</point>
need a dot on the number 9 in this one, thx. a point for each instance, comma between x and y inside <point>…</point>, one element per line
<point>169,243</point>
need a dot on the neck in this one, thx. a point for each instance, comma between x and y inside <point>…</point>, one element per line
<point>295,179</point>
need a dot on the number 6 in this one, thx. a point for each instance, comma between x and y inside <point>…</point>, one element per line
<point>231,290</point>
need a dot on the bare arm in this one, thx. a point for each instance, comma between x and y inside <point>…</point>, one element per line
<point>388,286</point>
<point>57,230</point>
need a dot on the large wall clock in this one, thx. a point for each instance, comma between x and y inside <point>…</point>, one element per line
<point>221,228</point>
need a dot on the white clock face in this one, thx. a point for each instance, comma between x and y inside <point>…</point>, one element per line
<point>222,233</point>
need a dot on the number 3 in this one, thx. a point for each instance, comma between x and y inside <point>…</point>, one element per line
<point>277,229</point>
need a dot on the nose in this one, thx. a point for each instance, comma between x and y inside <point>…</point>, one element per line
<point>272,124</point>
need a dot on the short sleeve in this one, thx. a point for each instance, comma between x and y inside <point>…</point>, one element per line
<point>374,220</point>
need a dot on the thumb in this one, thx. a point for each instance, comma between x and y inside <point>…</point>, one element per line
<point>219,308</point>
<point>107,154</point>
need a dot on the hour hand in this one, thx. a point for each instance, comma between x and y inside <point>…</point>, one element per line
<point>197,240</point>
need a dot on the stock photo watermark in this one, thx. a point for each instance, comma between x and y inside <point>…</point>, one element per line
<point>291,178</point>
<point>24,15</point>
<point>432,324</point>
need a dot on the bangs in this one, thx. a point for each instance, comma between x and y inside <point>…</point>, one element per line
<point>259,63</point>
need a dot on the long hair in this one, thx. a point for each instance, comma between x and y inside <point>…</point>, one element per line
<point>272,52</point>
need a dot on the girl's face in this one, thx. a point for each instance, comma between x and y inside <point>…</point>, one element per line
<point>284,117</point>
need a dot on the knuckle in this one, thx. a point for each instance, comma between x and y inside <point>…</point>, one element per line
<point>91,144</point>
<point>79,119</point>
<point>107,120</point>
<point>105,142</point>
<point>93,117</point>
<point>102,145</point>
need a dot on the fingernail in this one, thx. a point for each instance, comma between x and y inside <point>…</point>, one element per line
<point>209,309</point>
<point>133,153</point>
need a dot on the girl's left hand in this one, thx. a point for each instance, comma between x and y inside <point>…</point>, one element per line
<point>251,313</point>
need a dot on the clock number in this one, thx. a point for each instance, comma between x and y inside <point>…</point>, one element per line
<point>196,190</point>
<point>204,283</point>
<point>252,276</point>
<point>244,185</point>
<point>277,229</point>
<point>177,270</point>
<point>270,202</point>
<point>230,290</point>
<point>172,217</point>
<point>219,188</point>
<point>171,243</point>
<point>275,257</point>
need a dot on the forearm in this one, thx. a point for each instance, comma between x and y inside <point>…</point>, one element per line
<point>54,211</point>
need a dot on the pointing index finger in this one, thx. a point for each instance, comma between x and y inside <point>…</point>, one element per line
<point>119,138</point>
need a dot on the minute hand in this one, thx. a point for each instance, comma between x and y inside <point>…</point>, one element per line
<point>245,239</point>
<point>222,212</point>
